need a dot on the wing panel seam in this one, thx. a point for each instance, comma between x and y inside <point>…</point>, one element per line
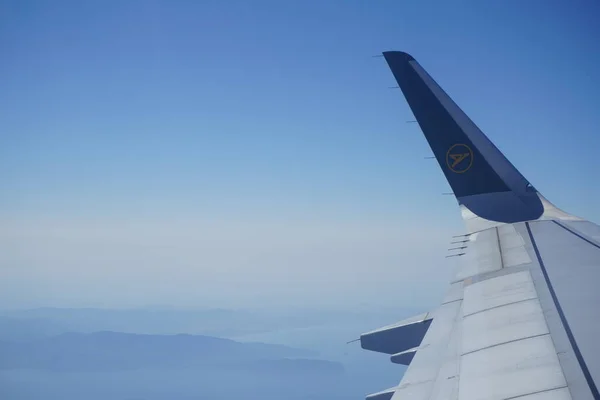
<point>539,391</point>
<point>507,342</point>
<point>451,301</point>
<point>499,248</point>
<point>500,306</point>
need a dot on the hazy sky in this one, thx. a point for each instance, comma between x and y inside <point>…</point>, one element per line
<point>250,153</point>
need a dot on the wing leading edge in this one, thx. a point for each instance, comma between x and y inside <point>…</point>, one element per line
<point>519,319</point>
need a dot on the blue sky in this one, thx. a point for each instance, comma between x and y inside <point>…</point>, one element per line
<point>234,153</point>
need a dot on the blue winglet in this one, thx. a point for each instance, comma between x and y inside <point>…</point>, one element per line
<point>482,179</point>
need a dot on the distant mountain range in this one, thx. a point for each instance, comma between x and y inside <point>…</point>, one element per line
<point>99,354</point>
<point>112,351</point>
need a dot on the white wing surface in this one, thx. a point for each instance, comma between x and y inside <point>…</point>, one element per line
<point>520,317</point>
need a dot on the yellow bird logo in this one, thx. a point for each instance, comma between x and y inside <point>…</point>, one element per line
<point>459,158</point>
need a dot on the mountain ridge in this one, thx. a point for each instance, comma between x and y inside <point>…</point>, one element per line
<point>114,351</point>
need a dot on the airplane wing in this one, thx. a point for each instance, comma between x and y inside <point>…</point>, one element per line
<point>520,317</point>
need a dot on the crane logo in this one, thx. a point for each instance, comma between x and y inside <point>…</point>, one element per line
<point>459,158</point>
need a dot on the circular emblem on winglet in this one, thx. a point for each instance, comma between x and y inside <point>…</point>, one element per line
<point>459,158</point>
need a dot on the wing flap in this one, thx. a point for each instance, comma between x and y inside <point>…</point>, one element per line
<point>399,337</point>
<point>404,357</point>
<point>383,395</point>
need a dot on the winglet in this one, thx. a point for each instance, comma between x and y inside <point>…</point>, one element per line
<point>481,177</point>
